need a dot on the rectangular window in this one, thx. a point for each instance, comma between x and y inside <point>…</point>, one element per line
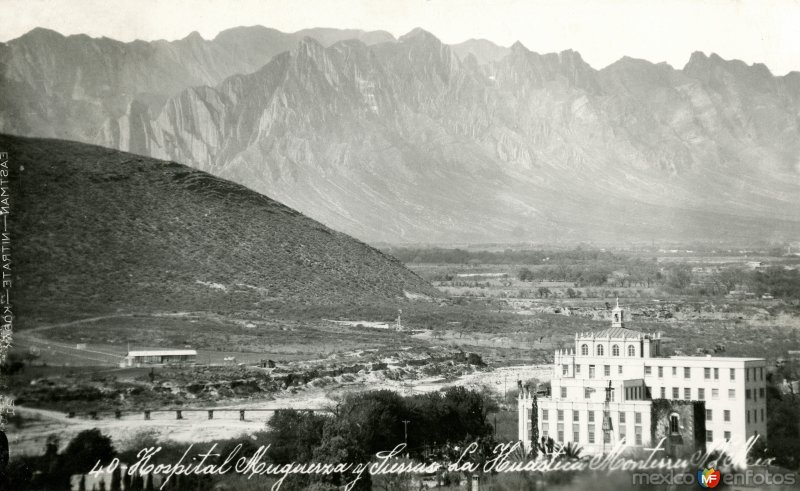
<point>674,371</point>
<point>731,393</point>
<point>621,418</point>
<point>687,372</point>
<point>544,414</point>
<point>747,393</point>
<point>761,373</point>
<point>638,431</point>
<point>577,369</point>
<point>715,393</point>
<point>716,374</point>
<point>707,373</point>
<point>709,436</point>
<point>591,371</point>
<point>748,416</point>
<point>708,415</point>
<point>761,392</point>
<point>564,370</point>
<point>637,418</point>
<point>561,415</point>
<point>762,414</point>
<point>576,433</point>
<point>587,392</point>
<point>728,435</point>
<point>733,374</point>
<point>660,372</point>
<point>591,416</point>
<point>607,370</point>
<point>591,433</point>
<point>701,394</point>
<point>663,392</point>
<point>747,374</point>
<point>560,435</point>
<point>576,416</point>
<point>563,392</point>
<point>648,370</point>
<point>675,393</point>
<point>606,437</point>
<point>726,415</point>
<point>687,393</point>
<point>619,368</point>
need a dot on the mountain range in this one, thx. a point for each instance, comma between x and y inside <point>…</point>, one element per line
<point>100,231</point>
<point>413,140</point>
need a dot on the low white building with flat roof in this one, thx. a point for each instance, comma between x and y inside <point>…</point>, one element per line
<point>159,357</point>
<point>604,389</point>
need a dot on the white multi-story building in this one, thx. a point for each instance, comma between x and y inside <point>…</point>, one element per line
<point>604,389</point>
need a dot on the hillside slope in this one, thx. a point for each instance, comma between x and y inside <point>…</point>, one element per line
<point>97,230</point>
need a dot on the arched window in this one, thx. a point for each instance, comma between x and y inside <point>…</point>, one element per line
<point>615,350</point>
<point>674,424</point>
<point>631,351</point>
<point>599,350</point>
<point>584,350</point>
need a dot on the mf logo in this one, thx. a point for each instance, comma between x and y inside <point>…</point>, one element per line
<point>708,478</point>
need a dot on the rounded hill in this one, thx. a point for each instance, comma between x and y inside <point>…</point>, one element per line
<point>98,230</point>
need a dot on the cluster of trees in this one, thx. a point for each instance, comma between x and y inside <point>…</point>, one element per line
<point>783,418</point>
<point>52,470</point>
<point>674,278</point>
<point>780,282</point>
<point>460,256</point>
<point>595,268</point>
<point>619,273</point>
<point>776,281</point>
<point>432,425</point>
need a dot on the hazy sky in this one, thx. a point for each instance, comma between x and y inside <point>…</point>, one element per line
<point>765,31</point>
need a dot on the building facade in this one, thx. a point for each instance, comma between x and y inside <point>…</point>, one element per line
<point>615,383</point>
<point>159,357</point>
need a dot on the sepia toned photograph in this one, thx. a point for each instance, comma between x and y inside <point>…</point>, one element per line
<point>399,245</point>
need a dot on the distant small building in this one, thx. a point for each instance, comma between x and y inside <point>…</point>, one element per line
<point>160,357</point>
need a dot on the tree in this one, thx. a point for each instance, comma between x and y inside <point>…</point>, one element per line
<point>729,278</point>
<point>525,274</point>
<point>679,277</point>
<point>116,480</point>
<point>87,448</point>
<point>294,435</point>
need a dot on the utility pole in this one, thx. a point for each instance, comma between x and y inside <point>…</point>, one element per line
<point>607,425</point>
<point>405,434</point>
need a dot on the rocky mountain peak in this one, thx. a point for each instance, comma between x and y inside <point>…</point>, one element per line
<point>419,36</point>
<point>518,47</point>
